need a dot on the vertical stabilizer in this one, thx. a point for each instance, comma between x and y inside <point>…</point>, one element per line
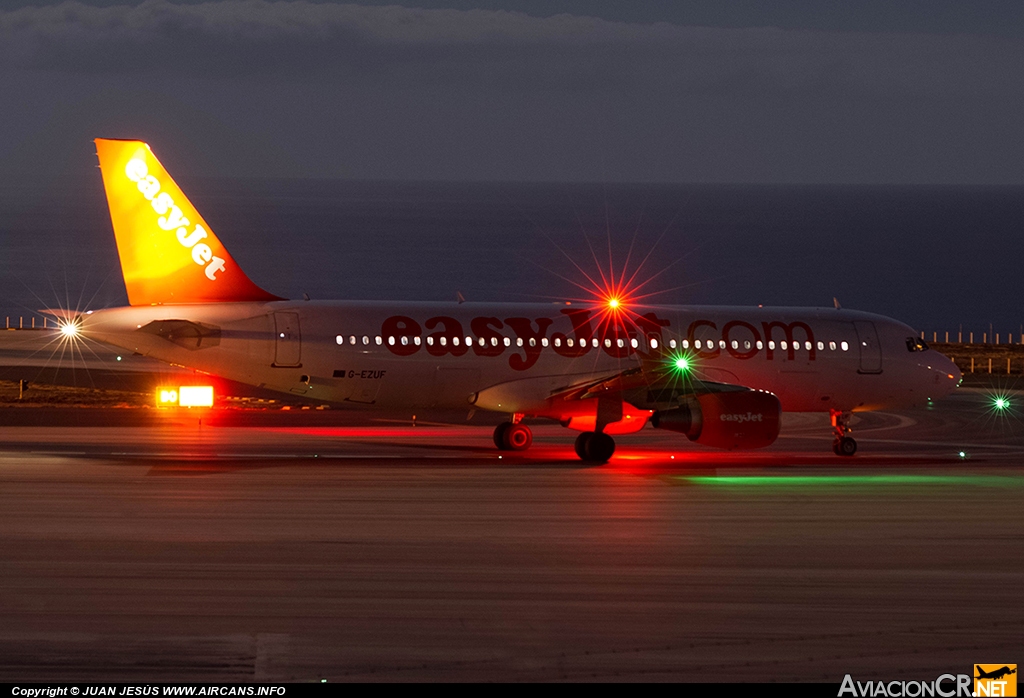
<point>168,252</point>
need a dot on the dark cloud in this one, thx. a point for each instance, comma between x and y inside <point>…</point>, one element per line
<point>301,40</point>
<point>330,90</point>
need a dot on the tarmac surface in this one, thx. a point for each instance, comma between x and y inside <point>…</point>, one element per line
<point>301,547</point>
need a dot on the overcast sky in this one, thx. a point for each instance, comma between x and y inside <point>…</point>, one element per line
<point>697,91</point>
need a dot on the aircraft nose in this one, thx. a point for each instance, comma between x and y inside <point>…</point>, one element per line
<point>951,377</point>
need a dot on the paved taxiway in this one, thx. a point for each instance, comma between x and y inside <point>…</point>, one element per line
<point>279,552</point>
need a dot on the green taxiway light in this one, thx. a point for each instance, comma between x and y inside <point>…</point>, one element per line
<point>755,481</point>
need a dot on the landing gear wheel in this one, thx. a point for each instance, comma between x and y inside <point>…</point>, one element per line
<point>499,435</point>
<point>581,444</point>
<point>594,447</point>
<point>517,437</point>
<point>846,446</point>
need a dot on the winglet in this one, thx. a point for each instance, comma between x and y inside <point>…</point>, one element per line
<point>168,252</point>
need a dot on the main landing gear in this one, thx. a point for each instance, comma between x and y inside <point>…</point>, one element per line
<point>843,445</point>
<point>594,447</point>
<point>591,446</point>
<point>513,436</point>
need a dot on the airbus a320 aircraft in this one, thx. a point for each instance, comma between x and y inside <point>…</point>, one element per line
<point>720,375</point>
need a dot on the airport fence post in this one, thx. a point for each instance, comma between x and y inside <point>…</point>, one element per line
<point>33,323</point>
<point>960,337</point>
<point>990,365</point>
<point>972,364</point>
<point>1008,367</point>
<point>997,338</point>
<point>21,323</point>
<point>935,336</point>
<point>947,337</point>
<point>922,334</point>
<point>972,338</point>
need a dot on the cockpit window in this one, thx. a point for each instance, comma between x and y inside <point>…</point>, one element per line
<point>915,344</point>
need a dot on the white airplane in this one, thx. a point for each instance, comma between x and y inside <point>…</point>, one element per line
<point>720,375</point>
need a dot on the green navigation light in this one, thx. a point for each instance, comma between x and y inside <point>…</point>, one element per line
<point>1001,403</point>
<point>682,364</point>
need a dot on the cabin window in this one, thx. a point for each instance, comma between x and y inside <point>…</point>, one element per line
<point>696,343</point>
<point>746,344</point>
<point>686,344</point>
<point>845,346</point>
<point>444,341</point>
<point>569,341</point>
<point>405,341</point>
<point>519,341</point>
<point>366,340</point>
<point>507,342</point>
<point>634,343</point>
<point>455,341</point>
<point>533,342</point>
<point>784,345</point>
<point>469,341</point>
<point>482,341</point>
<point>430,341</point>
<point>352,339</point>
<point>558,342</point>
<point>494,341</point>
<point>807,346</point>
<point>339,339</point>
<point>735,344</point>
<point>391,341</point>
<point>416,341</point>
<point>760,345</point>
<point>771,344</point>
<point>821,346</point>
<point>379,340</point>
<point>595,343</point>
<point>671,344</point>
<point>721,343</point>
<point>832,346</point>
<point>654,343</point>
<point>544,342</point>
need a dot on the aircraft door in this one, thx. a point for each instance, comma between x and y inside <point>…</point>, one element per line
<point>288,349</point>
<point>870,347</point>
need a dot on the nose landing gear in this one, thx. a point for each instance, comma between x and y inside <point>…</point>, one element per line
<point>843,445</point>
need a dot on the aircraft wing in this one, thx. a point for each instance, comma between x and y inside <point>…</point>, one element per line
<point>648,387</point>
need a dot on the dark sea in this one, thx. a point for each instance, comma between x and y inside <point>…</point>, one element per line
<point>938,258</point>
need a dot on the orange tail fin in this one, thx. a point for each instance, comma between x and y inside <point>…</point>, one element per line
<point>168,252</point>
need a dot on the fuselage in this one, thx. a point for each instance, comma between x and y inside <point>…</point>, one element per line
<point>511,357</point>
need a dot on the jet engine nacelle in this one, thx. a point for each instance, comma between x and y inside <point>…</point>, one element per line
<point>742,419</point>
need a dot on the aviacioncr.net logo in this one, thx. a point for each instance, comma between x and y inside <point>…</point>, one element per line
<point>945,686</point>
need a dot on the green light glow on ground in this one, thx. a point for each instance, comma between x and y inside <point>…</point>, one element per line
<point>762,481</point>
